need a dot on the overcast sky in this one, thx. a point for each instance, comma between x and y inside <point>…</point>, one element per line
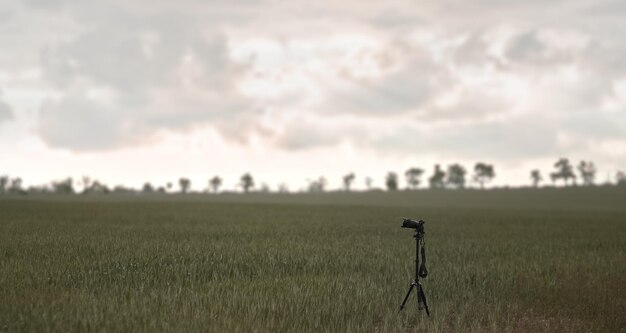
<point>129,91</point>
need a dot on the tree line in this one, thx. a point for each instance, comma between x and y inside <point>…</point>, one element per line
<point>455,176</point>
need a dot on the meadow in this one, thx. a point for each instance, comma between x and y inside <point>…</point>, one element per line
<point>518,260</point>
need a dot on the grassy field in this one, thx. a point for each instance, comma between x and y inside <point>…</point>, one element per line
<point>499,261</point>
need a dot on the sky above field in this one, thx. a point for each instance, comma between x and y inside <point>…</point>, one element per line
<point>133,91</point>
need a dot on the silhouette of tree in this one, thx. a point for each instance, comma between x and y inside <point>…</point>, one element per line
<point>147,188</point>
<point>318,185</point>
<point>587,172</point>
<point>246,182</point>
<point>535,175</point>
<point>391,181</point>
<point>97,187</point>
<point>347,181</point>
<point>215,183</point>
<point>16,186</point>
<point>168,186</point>
<point>437,179</point>
<point>456,175</point>
<point>86,182</point>
<point>620,177</point>
<point>413,177</point>
<point>368,183</point>
<point>4,183</point>
<point>63,187</point>
<point>264,188</point>
<point>283,188</point>
<point>564,171</point>
<point>483,173</point>
<point>184,184</point>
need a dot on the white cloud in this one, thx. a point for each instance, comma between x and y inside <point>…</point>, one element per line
<point>449,78</point>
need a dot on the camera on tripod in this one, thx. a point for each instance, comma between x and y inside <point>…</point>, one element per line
<point>412,224</point>
<point>420,265</point>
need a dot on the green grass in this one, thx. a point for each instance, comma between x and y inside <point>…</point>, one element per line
<point>499,261</point>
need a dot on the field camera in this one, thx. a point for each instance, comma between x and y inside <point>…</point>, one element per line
<point>417,225</point>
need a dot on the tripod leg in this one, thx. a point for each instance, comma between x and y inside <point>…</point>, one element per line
<point>422,298</point>
<point>407,296</point>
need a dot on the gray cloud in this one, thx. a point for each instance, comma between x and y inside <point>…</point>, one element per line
<point>124,71</point>
<point>5,112</point>
<point>156,73</point>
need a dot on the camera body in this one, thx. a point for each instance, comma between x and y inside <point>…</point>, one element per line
<point>412,224</point>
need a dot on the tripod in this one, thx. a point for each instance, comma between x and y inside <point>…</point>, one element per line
<point>420,271</point>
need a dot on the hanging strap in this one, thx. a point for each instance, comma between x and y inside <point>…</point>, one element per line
<point>423,272</point>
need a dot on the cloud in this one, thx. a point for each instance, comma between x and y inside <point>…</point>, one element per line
<point>6,112</point>
<point>121,73</point>
<point>126,82</point>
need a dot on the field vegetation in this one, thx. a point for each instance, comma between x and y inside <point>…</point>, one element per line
<point>533,260</point>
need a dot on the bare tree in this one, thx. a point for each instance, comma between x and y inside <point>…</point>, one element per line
<point>413,177</point>
<point>535,175</point>
<point>438,177</point>
<point>215,183</point>
<point>347,181</point>
<point>483,173</point>
<point>587,172</point>
<point>246,182</point>
<point>456,175</point>
<point>184,184</point>
<point>391,181</point>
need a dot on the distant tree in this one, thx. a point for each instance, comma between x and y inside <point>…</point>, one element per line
<point>264,188</point>
<point>413,177</point>
<point>368,183</point>
<point>347,181</point>
<point>391,181</point>
<point>564,171</point>
<point>535,175</point>
<point>283,188</point>
<point>215,183</point>
<point>587,172</point>
<point>620,177</point>
<point>438,177</point>
<point>246,182</point>
<point>456,175</point>
<point>97,188</point>
<point>16,186</point>
<point>184,184</point>
<point>147,188</point>
<point>86,182</point>
<point>168,186</point>
<point>4,183</point>
<point>121,189</point>
<point>65,186</point>
<point>318,185</point>
<point>483,173</point>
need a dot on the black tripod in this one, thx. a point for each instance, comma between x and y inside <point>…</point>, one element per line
<point>420,270</point>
